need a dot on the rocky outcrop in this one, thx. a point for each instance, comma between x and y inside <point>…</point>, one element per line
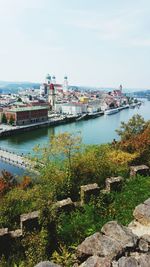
<point>47,264</point>
<point>120,233</point>
<point>117,245</point>
<point>99,245</point>
<point>142,213</point>
<point>96,261</point>
<point>141,223</point>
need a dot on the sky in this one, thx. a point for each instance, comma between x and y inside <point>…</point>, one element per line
<point>94,42</point>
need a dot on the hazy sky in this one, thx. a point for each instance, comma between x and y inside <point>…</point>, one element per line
<point>94,42</point>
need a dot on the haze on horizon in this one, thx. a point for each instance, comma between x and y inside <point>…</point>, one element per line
<point>94,42</point>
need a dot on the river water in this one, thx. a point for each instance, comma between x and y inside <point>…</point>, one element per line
<point>94,131</point>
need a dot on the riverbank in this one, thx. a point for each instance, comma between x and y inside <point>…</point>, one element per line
<point>12,130</point>
<point>93,131</point>
<point>8,130</point>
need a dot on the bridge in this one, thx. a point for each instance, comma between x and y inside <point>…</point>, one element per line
<point>17,160</point>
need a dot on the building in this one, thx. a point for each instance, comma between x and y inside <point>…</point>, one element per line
<point>74,108</point>
<point>52,96</point>
<point>26,115</point>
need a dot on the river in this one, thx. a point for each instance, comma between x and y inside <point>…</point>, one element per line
<point>94,131</point>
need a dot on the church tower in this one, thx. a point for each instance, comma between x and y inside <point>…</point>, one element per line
<point>52,96</point>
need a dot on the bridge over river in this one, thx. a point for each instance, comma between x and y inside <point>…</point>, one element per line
<point>17,160</point>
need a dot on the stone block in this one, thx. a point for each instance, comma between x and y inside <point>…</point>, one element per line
<point>16,234</point>
<point>4,242</point>
<point>29,221</point>
<point>64,205</point>
<point>140,169</point>
<point>114,183</point>
<point>87,191</point>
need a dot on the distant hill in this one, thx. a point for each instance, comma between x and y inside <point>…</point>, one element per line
<point>14,87</point>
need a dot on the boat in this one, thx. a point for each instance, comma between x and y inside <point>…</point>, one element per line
<point>82,117</point>
<point>132,105</point>
<point>94,115</point>
<point>111,111</point>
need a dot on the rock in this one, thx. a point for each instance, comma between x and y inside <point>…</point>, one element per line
<point>87,191</point>
<point>128,262</point>
<point>139,229</point>
<point>114,183</point>
<point>96,261</point>
<point>47,264</point>
<point>141,170</point>
<point>100,245</point>
<point>142,213</point>
<point>144,260</point>
<point>144,243</point>
<point>120,233</point>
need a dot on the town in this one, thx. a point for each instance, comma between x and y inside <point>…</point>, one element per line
<point>56,103</point>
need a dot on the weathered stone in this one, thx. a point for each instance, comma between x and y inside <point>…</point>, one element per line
<point>100,245</point>
<point>141,170</point>
<point>127,262</point>
<point>144,260</point>
<point>3,231</point>
<point>96,261</point>
<point>64,205</point>
<point>87,191</point>
<point>142,213</point>
<point>139,229</point>
<point>46,264</point>
<point>114,183</point>
<point>29,221</point>
<point>144,243</point>
<point>16,234</point>
<point>120,233</point>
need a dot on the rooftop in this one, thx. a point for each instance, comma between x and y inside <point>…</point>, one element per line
<point>26,108</point>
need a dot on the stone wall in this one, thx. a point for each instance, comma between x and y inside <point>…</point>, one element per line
<point>110,247</point>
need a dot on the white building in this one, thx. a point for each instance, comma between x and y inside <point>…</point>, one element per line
<point>74,108</point>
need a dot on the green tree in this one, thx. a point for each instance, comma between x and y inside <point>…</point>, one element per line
<point>133,127</point>
<point>4,119</point>
<point>11,120</point>
<point>62,147</point>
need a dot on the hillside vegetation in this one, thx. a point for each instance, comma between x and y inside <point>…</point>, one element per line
<point>68,164</point>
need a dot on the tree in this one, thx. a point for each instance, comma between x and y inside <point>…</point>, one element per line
<point>4,119</point>
<point>61,147</point>
<point>11,120</point>
<point>134,126</point>
<point>19,99</point>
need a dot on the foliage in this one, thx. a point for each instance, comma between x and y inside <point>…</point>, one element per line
<point>74,227</point>
<point>11,120</point>
<point>133,127</point>
<point>4,119</point>
<point>34,245</point>
<point>64,257</point>
<point>7,181</point>
<point>139,143</point>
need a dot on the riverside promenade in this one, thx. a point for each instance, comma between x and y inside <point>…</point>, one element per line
<point>17,160</point>
<point>8,130</point>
